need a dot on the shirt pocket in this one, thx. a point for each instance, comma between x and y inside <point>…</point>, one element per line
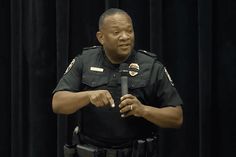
<point>138,86</point>
<point>139,81</point>
<point>94,79</point>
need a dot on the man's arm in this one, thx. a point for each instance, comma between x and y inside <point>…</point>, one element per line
<point>166,117</point>
<point>65,102</point>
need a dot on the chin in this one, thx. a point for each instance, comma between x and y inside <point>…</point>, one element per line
<point>124,54</point>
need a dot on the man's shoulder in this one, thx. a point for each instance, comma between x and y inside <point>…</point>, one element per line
<point>145,56</point>
<point>88,51</point>
<point>148,54</point>
<point>91,48</point>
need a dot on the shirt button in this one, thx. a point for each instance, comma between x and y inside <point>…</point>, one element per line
<point>114,75</point>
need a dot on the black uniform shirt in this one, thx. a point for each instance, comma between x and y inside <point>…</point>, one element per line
<point>150,83</point>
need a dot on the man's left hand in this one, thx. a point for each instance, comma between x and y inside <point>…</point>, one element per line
<point>130,105</point>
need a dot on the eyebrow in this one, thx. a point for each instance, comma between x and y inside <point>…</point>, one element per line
<point>117,26</point>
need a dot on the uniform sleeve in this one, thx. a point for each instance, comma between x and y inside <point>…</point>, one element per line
<point>166,92</point>
<point>71,80</point>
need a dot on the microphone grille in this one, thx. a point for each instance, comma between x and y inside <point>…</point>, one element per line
<point>124,69</point>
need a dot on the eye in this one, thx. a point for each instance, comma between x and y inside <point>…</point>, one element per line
<point>130,31</point>
<point>116,32</point>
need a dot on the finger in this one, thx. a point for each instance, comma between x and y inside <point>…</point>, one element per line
<point>125,102</point>
<point>125,109</point>
<point>110,99</point>
<point>128,113</point>
<point>102,98</point>
<point>124,115</point>
<point>97,101</point>
<point>127,96</point>
<point>105,100</point>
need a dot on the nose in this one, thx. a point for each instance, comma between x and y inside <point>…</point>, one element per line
<point>124,36</point>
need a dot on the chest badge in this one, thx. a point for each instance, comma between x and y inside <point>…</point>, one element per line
<point>133,69</point>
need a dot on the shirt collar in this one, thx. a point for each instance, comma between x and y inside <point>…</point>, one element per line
<point>108,63</point>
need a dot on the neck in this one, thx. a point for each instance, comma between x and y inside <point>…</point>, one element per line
<point>116,59</point>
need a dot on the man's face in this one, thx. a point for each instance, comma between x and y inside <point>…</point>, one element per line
<point>117,36</point>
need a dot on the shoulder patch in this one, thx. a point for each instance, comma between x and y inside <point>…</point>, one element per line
<point>92,47</point>
<point>70,66</point>
<point>148,53</point>
<point>168,76</point>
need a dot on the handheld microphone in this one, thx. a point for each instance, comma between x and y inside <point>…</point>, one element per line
<point>124,71</point>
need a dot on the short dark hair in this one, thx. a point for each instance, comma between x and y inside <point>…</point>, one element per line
<point>110,12</point>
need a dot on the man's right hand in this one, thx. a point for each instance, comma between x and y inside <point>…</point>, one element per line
<point>101,98</point>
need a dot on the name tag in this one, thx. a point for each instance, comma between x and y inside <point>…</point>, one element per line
<point>96,69</point>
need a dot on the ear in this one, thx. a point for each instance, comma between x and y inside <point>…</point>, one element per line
<point>100,37</point>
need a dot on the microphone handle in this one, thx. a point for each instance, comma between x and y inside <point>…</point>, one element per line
<point>124,85</point>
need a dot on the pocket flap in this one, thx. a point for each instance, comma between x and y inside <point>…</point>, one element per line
<point>94,80</point>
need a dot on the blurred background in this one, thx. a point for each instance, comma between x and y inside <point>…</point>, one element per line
<point>194,39</point>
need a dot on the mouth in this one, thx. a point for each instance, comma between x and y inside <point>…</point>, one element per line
<point>124,45</point>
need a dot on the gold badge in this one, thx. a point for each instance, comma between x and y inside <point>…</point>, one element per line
<point>133,69</point>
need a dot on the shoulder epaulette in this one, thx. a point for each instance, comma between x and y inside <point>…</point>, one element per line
<point>91,47</point>
<point>148,53</point>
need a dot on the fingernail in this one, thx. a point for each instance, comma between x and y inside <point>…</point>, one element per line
<point>112,105</point>
<point>122,115</point>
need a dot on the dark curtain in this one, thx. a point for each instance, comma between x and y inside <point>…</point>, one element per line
<point>195,39</point>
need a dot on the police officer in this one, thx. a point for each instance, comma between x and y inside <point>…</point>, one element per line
<point>91,85</point>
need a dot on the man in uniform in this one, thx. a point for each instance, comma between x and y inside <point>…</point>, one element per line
<point>123,125</point>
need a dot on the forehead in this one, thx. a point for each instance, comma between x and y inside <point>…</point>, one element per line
<point>117,20</point>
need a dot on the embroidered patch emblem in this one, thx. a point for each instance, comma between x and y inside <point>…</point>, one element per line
<point>133,69</point>
<point>168,76</point>
<point>70,66</point>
